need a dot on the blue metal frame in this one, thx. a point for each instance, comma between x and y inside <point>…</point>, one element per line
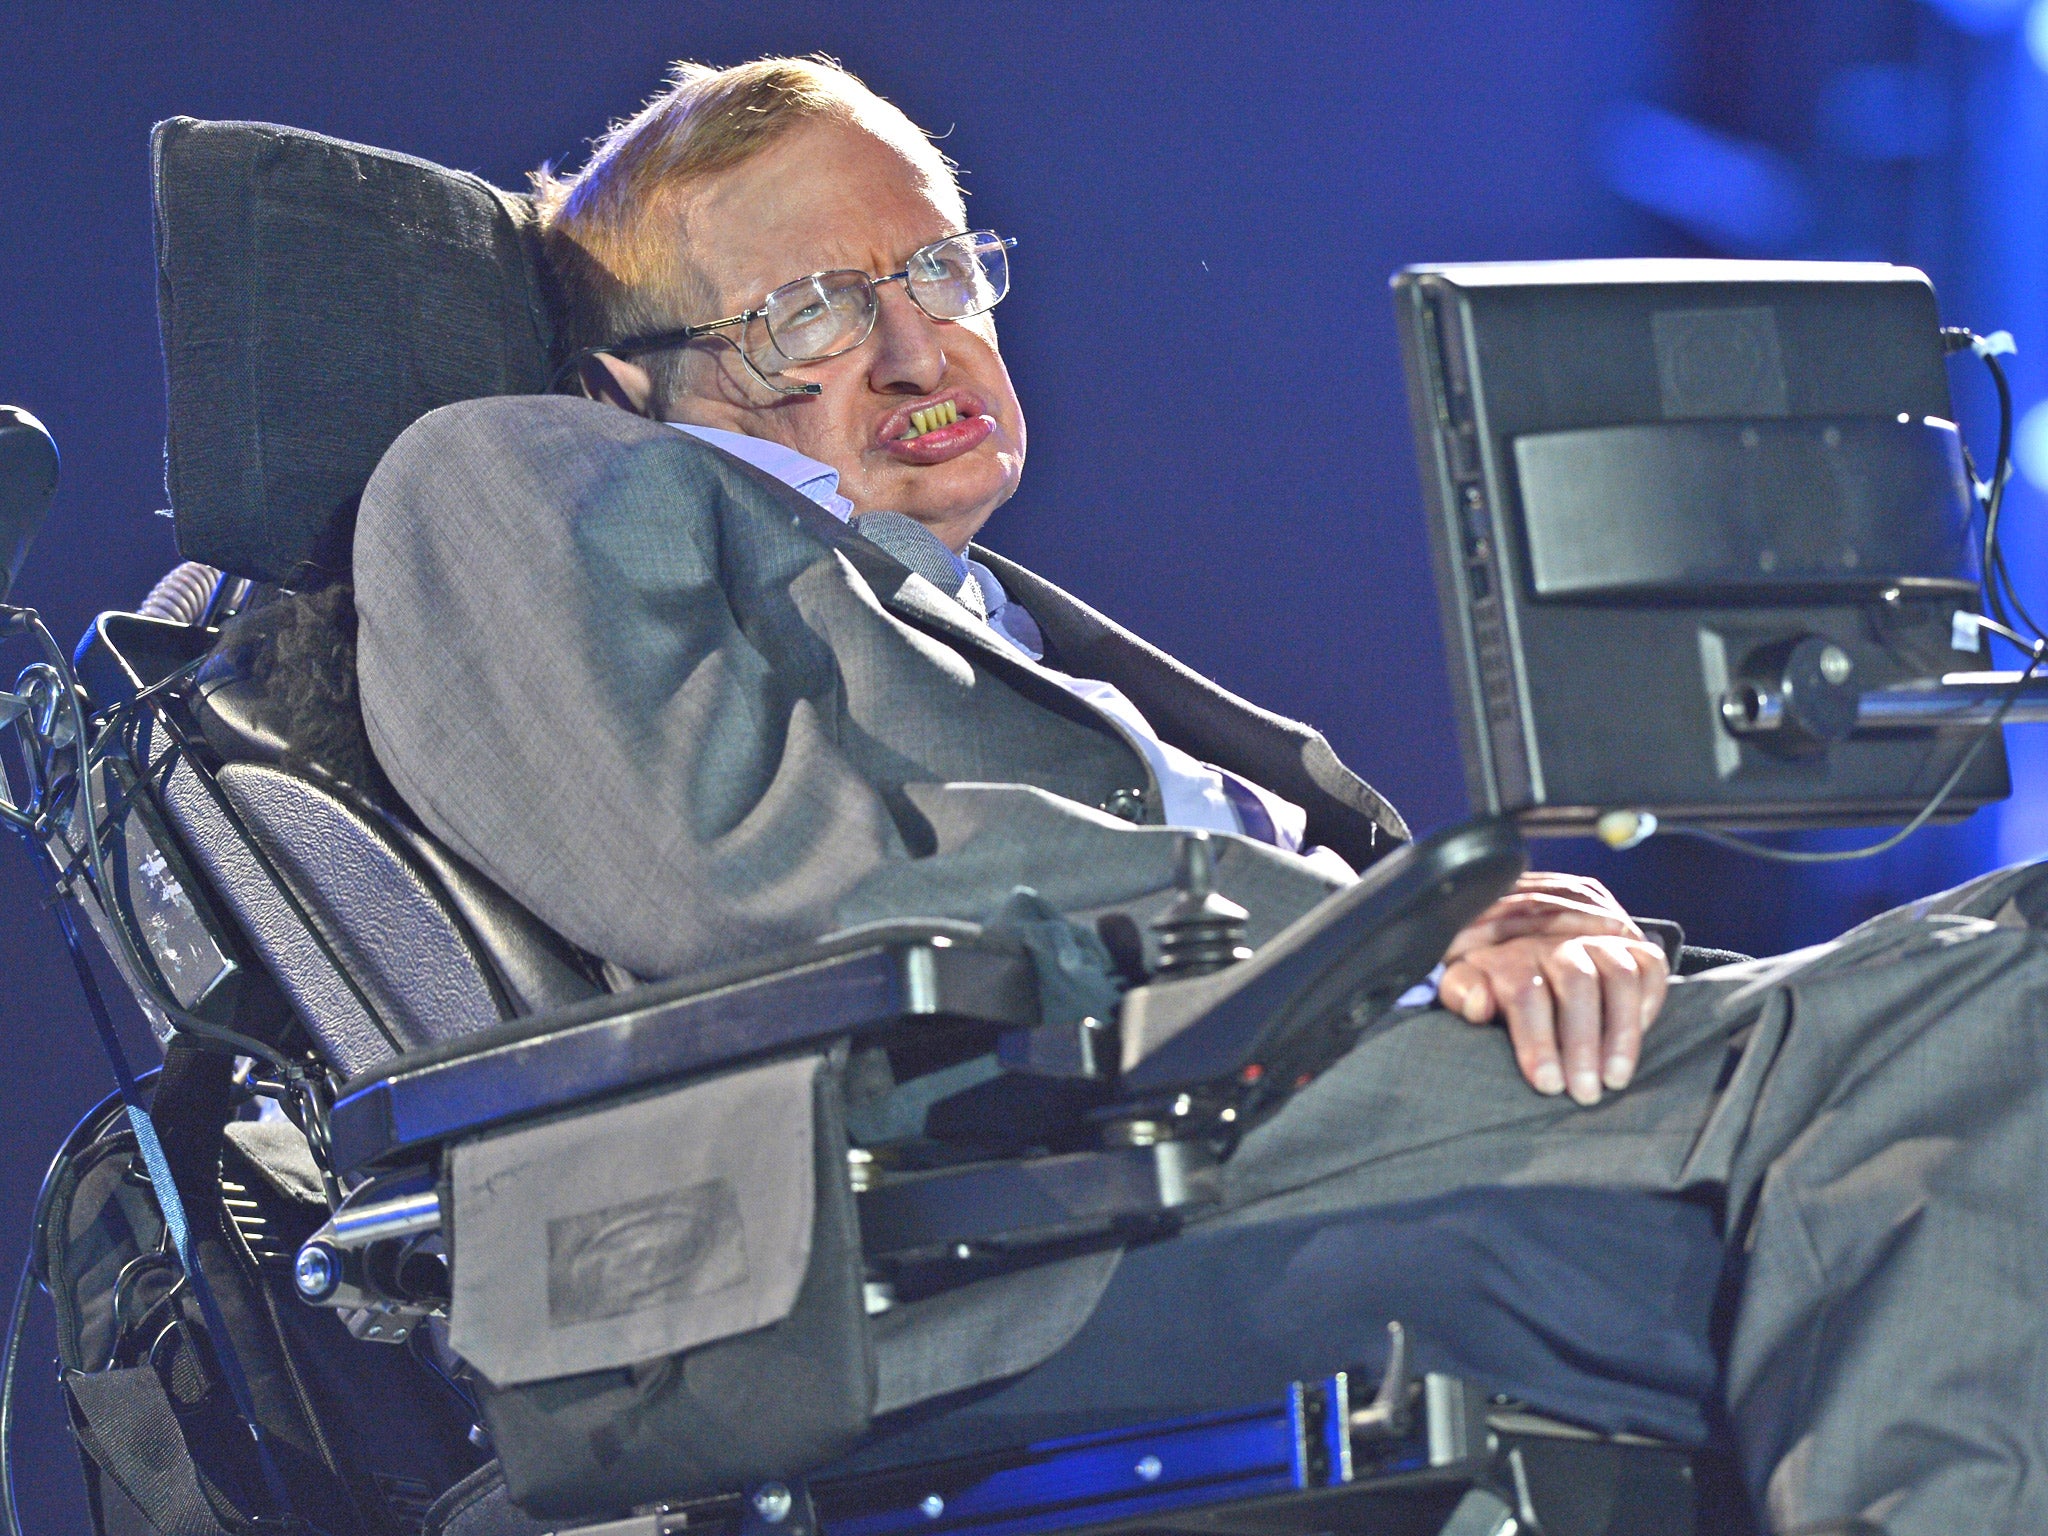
<point>1297,1445</point>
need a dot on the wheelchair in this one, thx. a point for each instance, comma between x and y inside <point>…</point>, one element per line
<point>315,1270</point>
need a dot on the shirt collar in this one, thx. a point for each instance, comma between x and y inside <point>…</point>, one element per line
<point>819,482</point>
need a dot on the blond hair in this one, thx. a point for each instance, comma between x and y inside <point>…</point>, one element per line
<point>611,231</point>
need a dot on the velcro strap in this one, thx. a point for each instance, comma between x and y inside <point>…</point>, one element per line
<point>133,1435</point>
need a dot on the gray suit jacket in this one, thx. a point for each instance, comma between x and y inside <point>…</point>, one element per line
<point>686,716</point>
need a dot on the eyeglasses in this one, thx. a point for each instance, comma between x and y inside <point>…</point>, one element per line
<point>829,313</point>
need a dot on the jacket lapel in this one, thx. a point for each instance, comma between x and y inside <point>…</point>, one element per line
<point>1209,722</point>
<point>916,601</point>
<point>901,590</point>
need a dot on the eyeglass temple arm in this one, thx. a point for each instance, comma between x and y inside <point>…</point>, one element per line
<point>656,341</point>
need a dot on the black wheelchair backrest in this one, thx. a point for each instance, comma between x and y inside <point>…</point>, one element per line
<point>381,939</point>
<point>317,298</point>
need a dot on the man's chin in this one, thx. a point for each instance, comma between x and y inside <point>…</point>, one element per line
<point>946,497</point>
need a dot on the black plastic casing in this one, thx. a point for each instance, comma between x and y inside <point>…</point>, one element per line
<point>1642,476</point>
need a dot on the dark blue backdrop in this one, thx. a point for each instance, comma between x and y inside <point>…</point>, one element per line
<point>1209,201</point>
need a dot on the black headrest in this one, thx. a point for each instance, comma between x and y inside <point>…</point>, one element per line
<point>317,298</point>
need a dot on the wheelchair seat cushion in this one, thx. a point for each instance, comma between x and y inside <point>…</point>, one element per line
<point>317,298</point>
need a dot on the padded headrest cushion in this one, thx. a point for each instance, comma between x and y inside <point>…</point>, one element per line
<point>317,298</point>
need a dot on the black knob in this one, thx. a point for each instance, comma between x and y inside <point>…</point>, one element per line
<point>1202,931</point>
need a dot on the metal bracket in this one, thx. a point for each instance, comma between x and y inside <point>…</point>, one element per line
<point>361,1260</point>
<point>778,1509</point>
<point>1388,1416</point>
<point>656,1522</point>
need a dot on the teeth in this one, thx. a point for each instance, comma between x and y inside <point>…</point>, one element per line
<point>930,419</point>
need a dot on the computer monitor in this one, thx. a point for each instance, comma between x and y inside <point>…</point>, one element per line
<point>1683,514</point>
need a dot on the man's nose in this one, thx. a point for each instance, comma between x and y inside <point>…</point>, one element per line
<point>908,355</point>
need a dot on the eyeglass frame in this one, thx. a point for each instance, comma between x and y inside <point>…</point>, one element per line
<point>658,341</point>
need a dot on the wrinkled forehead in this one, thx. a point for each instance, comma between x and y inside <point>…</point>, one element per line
<point>828,195</point>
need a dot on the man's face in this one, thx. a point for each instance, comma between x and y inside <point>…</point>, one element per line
<point>831,196</point>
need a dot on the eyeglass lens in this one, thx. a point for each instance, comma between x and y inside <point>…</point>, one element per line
<point>828,313</point>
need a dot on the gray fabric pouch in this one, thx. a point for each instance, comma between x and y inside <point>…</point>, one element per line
<point>664,1295</point>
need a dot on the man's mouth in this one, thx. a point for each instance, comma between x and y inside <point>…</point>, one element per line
<point>930,419</point>
<point>937,431</point>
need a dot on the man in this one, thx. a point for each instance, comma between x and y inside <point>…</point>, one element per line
<point>730,187</point>
<point>638,666</point>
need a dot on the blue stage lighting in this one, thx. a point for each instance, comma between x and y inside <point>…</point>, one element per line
<point>1981,18</point>
<point>1740,196</point>
<point>2036,33</point>
<point>1884,112</point>
<point>2030,445</point>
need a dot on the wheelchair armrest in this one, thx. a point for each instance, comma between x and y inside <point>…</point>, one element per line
<point>1281,1017</point>
<point>860,982</point>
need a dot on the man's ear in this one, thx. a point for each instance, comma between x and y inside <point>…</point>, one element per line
<point>617,382</point>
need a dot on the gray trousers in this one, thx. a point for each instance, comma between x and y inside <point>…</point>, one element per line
<point>1873,1111</point>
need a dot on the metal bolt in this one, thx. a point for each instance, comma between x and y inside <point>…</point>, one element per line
<point>1148,1469</point>
<point>772,1502</point>
<point>1126,804</point>
<point>932,1506</point>
<point>1835,665</point>
<point>860,1169</point>
<point>1134,1133</point>
<point>315,1272</point>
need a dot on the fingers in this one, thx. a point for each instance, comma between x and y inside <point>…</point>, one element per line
<point>1620,1040</point>
<point>1519,987</point>
<point>1636,979</point>
<point>1575,1008</point>
<point>1463,990</point>
<point>1523,913</point>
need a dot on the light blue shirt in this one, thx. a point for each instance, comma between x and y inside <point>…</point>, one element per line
<point>1193,794</point>
<point>819,482</point>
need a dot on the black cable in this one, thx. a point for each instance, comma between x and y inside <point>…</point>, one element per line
<point>2039,653</point>
<point>2000,595</point>
<point>1994,503</point>
<point>171,1202</point>
<point>17,1327</point>
<point>1997,573</point>
<point>87,812</point>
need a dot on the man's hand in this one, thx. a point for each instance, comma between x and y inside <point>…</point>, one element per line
<point>1573,975</point>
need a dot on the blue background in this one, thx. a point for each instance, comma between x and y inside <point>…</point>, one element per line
<point>1209,201</point>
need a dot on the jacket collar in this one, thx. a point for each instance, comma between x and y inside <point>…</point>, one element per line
<point>1208,721</point>
<point>901,590</point>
